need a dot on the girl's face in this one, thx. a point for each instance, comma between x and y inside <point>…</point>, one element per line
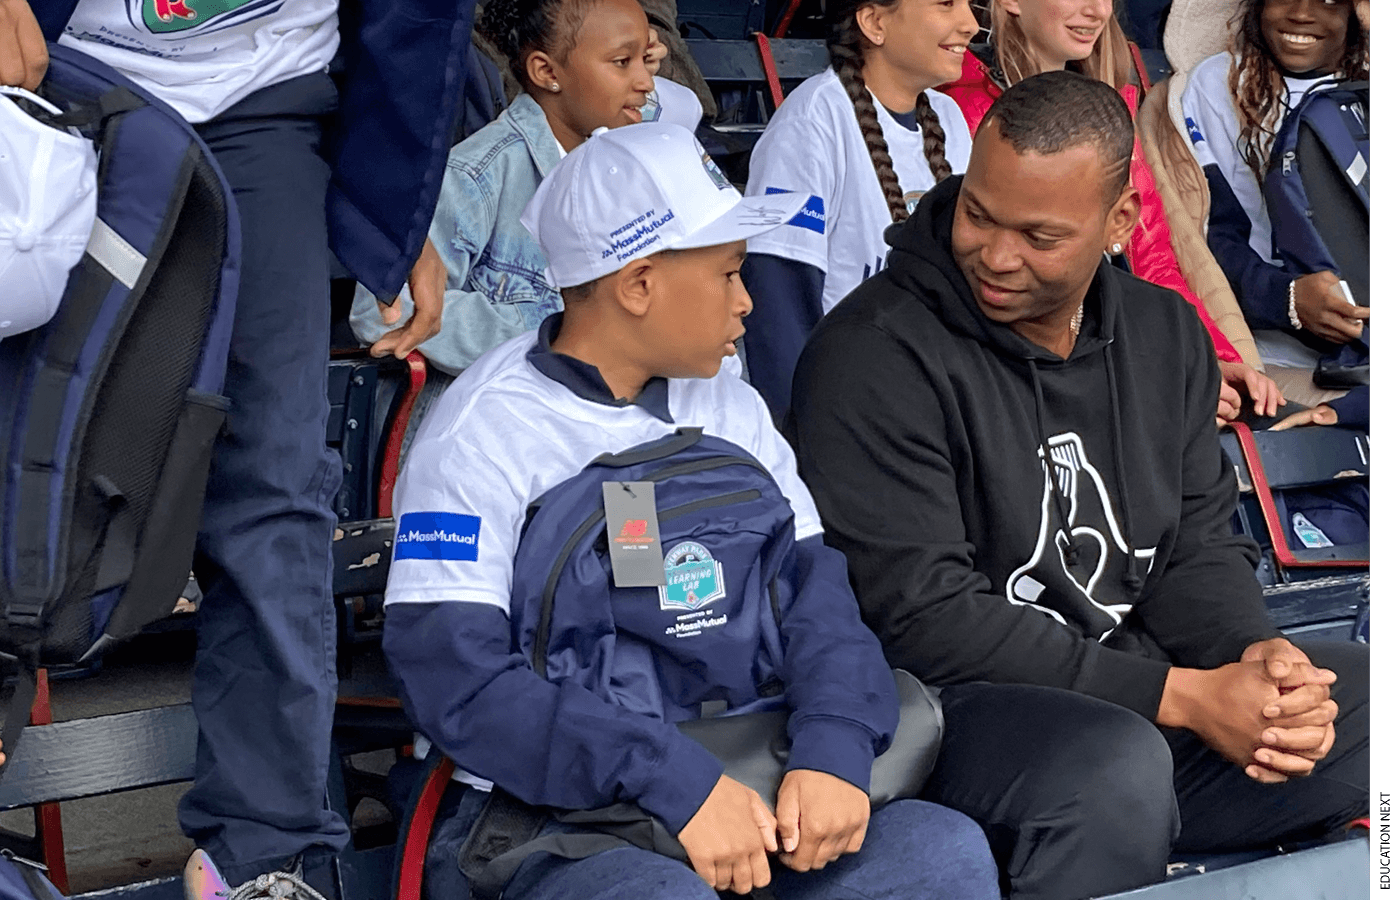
<point>926,38</point>
<point>1060,31</point>
<point>1304,35</point>
<point>603,82</point>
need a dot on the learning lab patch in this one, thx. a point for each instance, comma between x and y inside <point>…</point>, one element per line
<point>694,578</point>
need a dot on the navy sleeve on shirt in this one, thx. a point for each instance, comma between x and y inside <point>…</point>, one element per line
<point>845,707</point>
<point>787,304</point>
<point>1262,288</point>
<point>488,711</point>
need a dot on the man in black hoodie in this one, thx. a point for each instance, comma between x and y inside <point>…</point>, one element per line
<point>1013,442</point>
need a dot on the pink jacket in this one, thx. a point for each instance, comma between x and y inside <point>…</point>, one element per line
<point>1149,251</point>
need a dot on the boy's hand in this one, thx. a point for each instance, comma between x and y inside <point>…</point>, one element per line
<point>820,818</point>
<point>729,837</point>
<point>24,57</point>
<point>427,285</point>
<point>654,53</point>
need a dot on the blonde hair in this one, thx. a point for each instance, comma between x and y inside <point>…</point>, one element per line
<point>1110,62</point>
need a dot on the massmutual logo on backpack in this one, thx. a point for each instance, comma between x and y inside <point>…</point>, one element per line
<point>194,16</point>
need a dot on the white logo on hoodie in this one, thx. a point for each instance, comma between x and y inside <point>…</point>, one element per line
<point>1089,511</point>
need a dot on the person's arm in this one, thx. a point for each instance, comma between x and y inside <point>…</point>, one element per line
<point>787,304</point>
<point>879,466</point>
<point>785,272</point>
<point>844,705</point>
<point>558,745</point>
<point>471,323</point>
<point>1152,258</point>
<point>1206,606</point>
<point>1262,288</point>
<point>447,637</point>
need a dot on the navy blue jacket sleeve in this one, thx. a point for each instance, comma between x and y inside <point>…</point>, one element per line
<point>554,745</point>
<point>844,704</point>
<point>388,145</point>
<point>787,304</point>
<point>1262,288</point>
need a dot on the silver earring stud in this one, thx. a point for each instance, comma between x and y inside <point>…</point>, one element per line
<point>1117,249</point>
<point>554,87</point>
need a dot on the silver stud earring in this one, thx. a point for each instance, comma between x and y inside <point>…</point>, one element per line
<point>554,86</point>
<point>1117,249</point>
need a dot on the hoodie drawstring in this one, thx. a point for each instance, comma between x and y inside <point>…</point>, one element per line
<point>1072,551</point>
<point>1131,579</point>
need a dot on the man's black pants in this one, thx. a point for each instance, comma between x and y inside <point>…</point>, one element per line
<point>1081,798</point>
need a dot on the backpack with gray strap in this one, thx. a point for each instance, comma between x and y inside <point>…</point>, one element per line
<point>108,412</point>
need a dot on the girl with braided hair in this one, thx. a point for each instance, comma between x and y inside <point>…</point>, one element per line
<point>866,138</point>
<point>1034,36</point>
<point>584,64</point>
<point>1233,103</point>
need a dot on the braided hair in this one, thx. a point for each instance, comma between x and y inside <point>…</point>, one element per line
<point>846,46</point>
<point>1256,82</point>
<point>517,28</point>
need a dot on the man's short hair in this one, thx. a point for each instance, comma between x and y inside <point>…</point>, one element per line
<point>1054,111</point>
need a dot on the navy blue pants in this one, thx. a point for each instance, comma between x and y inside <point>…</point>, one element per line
<point>1082,798</point>
<point>913,851</point>
<point>264,676</point>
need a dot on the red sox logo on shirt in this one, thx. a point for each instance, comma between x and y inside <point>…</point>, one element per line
<point>194,16</point>
<point>1056,582</point>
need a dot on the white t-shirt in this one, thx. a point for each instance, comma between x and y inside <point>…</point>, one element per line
<point>504,433</point>
<point>1214,127</point>
<point>814,146</point>
<point>203,56</point>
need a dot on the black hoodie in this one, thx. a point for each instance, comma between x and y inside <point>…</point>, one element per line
<point>921,427</point>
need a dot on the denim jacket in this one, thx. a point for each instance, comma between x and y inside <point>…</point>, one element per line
<point>496,287</point>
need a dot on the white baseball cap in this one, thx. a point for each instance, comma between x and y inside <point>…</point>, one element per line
<point>48,204</point>
<point>634,191</point>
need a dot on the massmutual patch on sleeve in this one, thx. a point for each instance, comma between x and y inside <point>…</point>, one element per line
<point>437,535</point>
<point>812,216</point>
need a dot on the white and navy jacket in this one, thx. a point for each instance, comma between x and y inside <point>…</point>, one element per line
<point>519,421</point>
<point>1239,232</point>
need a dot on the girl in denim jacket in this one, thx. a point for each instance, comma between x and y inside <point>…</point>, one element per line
<point>584,65</point>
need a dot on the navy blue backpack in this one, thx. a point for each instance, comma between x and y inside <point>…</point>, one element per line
<point>108,413</point>
<point>726,533</point>
<point>21,879</point>
<point>1318,185</point>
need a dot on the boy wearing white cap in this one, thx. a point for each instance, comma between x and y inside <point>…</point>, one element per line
<point>644,237</point>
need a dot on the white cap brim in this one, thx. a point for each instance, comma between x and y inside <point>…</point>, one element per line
<point>748,218</point>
